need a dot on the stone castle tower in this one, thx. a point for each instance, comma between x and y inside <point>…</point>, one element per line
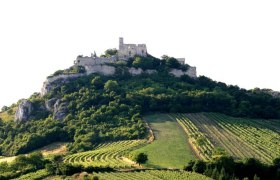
<point>130,50</point>
<point>125,52</point>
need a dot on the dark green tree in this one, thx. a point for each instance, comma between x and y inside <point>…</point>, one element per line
<point>111,52</point>
<point>141,158</point>
<point>199,166</point>
<point>97,82</point>
<point>111,85</point>
<point>189,166</point>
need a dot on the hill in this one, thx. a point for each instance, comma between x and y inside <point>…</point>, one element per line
<point>87,109</point>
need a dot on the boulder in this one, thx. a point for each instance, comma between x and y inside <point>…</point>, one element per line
<point>135,71</point>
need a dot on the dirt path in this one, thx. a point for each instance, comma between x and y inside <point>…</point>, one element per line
<point>151,136</point>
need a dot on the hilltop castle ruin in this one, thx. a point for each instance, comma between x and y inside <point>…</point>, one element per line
<point>95,64</point>
<point>125,52</point>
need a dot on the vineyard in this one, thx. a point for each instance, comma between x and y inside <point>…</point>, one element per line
<point>240,138</point>
<point>151,174</point>
<point>106,154</point>
<point>200,143</point>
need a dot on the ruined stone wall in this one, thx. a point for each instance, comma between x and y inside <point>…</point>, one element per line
<point>130,50</point>
<point>89,61</point>
<point>101,69</point>
<point>190,72</point>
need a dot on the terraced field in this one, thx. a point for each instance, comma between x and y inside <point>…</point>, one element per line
<point>151,174</point>
<point>239,137</point>
<point>106,154</point>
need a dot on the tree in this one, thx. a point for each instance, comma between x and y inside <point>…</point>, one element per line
<point>199,166</point>
<point>171,62</point>
<point>111,52</point>
<point>215,173</point>
<point>4,108</point>
<point>222,175</point>
<point>256,177</point>
<point>141,158</point>
<point>137,62</point>
<point>36,159</point>
<point>97,82</point>
<point>54,166</point>
<point>189,166</point>
<point>111,85</point>
<point>276,162</point>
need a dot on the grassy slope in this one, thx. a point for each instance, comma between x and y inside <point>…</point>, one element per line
<point>51,149</point>
<point>170,148</point>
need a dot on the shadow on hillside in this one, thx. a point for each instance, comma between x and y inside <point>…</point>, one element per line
<point>154,118</point>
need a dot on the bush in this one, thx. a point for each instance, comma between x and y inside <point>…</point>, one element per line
<point>140,158</point>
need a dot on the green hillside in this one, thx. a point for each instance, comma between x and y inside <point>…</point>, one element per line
<point>90,110</point>
<point>170,149</point>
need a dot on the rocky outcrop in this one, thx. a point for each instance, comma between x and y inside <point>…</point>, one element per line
<point>52,81</point>
<point>24,111</point>
<point>60,110</point>
<point>64,78</point>
<point>178,73</point>
<point>135,71</point>
<point>50,104</point>
<point>150,71</point>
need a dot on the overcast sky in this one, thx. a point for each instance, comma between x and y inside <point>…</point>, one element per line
<point>236,42</point>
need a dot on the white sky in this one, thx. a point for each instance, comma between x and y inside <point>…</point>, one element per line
<point>236,42</point>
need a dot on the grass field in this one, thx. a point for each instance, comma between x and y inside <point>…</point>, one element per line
<point>170,148</point>
<point>239,137</point>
